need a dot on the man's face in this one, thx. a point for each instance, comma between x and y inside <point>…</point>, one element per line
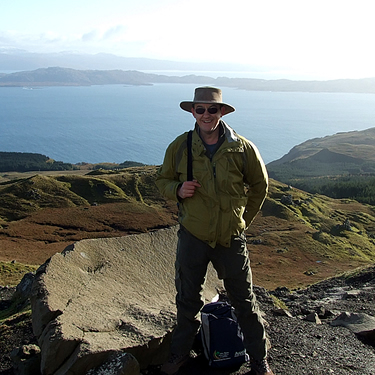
<point>207,121</point>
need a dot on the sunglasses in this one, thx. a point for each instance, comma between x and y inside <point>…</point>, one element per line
<point>211,110</point>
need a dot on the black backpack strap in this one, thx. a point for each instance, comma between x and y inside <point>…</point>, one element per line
<point>189,157</point>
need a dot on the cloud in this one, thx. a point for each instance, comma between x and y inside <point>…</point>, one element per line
<point>117,30</point>
<point>90,36</point>
<point>320,35</point>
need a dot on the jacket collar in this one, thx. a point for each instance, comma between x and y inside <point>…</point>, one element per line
<point>229,133</point>
<point>231,137</point>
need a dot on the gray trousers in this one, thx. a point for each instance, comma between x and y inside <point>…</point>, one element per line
<point>233,267</point>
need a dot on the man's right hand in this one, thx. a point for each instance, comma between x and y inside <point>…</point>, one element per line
<point>187,189</point>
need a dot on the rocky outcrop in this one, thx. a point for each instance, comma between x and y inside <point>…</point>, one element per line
<point>101,298</point>
<point>363,325</point>
<point>26,360</point>
<point>324,329</point>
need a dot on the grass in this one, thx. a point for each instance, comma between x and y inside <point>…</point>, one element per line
<point>308,225</point>
<point>278,303</point>
<point>325,217</point>
<point>12,273</point>
<point>15,313</point>
<point>21,197</point>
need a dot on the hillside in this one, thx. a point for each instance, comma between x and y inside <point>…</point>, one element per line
<point>27,161</point>
<point>57,76</point>
<point>298,238</point>
<point>356,147</point>
<point>340,166</point>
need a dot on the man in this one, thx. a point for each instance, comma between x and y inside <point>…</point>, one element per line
<point>227,190</point>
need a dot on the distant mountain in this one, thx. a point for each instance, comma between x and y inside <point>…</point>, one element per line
<point>57,76</point>
<point>365,85</point>
<point>15,59</point>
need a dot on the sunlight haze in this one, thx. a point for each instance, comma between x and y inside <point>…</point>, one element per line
<point>293,38</point>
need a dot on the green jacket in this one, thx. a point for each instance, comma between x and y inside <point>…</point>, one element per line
<point>234,185</point>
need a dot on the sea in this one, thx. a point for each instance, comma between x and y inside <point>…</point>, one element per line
<point>117,123</point>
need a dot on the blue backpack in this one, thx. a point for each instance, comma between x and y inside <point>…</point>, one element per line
<point>221,336</point>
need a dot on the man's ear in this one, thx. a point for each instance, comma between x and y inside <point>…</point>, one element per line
<point>222,110</point>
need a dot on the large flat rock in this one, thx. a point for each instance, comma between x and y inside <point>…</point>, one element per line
<point>102,296</point>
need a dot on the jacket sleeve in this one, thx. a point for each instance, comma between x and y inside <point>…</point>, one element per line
<point>256,177</point>
<point>167,179</point>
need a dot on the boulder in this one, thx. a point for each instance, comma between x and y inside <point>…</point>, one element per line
<point>313,318</point>
<point>356,322</point>
<point>101,297</point>
<point>26,360</point>
<point>363,325</point>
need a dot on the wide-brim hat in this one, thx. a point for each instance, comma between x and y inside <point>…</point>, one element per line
<point>207,95</point>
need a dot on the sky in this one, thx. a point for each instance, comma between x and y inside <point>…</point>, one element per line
<point>321,39</point>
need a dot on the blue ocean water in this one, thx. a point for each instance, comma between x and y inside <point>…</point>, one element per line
<point>114,123</point>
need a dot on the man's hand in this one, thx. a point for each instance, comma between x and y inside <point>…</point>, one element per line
<point>187,189</point>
